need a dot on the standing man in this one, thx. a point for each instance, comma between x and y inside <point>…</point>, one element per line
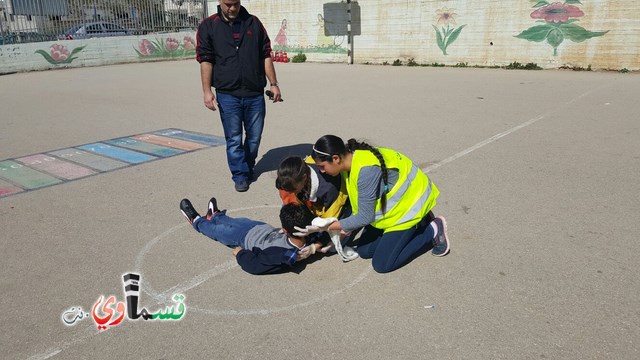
<point>234,52</point>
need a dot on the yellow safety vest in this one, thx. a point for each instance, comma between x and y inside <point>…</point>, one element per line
<point>410,199</point>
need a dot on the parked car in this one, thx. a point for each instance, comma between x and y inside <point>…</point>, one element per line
<point>94,29</point>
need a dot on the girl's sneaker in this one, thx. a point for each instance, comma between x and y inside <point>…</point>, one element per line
<point>440,241</point>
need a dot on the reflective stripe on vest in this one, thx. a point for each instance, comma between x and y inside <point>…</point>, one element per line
<point>410,199</point>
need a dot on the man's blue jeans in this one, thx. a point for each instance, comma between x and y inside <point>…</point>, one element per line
<point>237,113</point>
<point>224,229</point>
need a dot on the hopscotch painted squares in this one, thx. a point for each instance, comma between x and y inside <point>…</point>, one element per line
<point>55,167</point>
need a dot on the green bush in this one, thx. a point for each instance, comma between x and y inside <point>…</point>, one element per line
<point>397,62</point>
<point>299,58</point>
<point>518,66</point>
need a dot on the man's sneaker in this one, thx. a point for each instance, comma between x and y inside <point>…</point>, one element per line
<point>212,208</point>
<point>242,185</point>
<point>188,211</point>
<point>440,240</point>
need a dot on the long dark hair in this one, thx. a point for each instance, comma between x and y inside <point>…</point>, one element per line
<point>291,172</point>
<point>330,145</point>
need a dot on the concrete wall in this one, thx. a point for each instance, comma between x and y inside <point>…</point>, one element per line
<point>95,52</point>
<point>603,34</point>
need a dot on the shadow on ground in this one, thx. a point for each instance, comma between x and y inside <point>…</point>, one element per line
<point>272,158</point>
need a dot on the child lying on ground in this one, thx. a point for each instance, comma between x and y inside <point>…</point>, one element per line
<point>258,247</point>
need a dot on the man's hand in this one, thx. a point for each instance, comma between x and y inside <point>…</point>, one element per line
<point>317,225</point>
<point>210,100</point>
<point>276,95</point>
<point>236,251</point>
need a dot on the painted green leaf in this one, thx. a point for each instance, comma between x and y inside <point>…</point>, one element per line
<point>69,60</point>
<point>449,31</point>
<point>536,33</point>
<point>566,2</point>
<point>540,4</point>
<point>77,50</point>
<point>577,33</point>
<point>454,35</point>
<point>555,38</point>
<point>439,38</point>
<point>46,56</point>
<point>158,44</point>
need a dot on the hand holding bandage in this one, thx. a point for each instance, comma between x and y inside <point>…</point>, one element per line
<point>317,225</point>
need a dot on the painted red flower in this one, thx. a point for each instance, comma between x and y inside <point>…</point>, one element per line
<point>59,52</point>
<point>172,44</point>
<point>146,47</point>
<point>188,43</point>
<point>557,12</point>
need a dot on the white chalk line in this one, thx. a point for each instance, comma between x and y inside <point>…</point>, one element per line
<point>505,133</point>
<point>165,296</point>
<point>322,298</point>
<point>196,281</point>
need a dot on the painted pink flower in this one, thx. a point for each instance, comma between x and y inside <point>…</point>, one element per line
<point>59,52</point>
<point>146,47</point>
<point>172,44</point>
<point>188,43</point>
<point>557,12</point>
<point>445,16</point>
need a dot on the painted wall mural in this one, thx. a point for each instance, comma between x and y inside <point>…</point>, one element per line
<point>60,54</point>
<point>281,38</point>
<point>169,47</point>
<point>320,43</point>
<point>557,24</point>
<point>446,36</point>
<point>559,33</point>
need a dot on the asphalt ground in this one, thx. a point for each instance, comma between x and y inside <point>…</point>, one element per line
<point>538,172</point>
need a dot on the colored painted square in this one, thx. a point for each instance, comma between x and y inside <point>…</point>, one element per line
<point>8,189</point>
<point>24,176</point>
<point>192,136</point>
<point>166,141</point>
<point>118,153</point>
<point>146,147</point>
<point>56,167</point>
<point>97,162</point>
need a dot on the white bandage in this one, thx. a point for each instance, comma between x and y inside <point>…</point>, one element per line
<point>317,225</point>
<point>347,254</point>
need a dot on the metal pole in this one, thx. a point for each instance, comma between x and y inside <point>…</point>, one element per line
<point>205,9</point>
<point>349,35</point>
<point>2,26</point>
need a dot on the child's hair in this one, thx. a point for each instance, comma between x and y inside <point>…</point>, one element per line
<point>330,145</point>
<point>291,172</point>
<point>292,215</point>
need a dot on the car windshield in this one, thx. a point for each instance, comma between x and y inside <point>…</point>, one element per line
<point>113,27</point>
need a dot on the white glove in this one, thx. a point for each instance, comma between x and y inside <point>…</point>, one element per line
<point>317,225</point>
<point>305,252</point>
